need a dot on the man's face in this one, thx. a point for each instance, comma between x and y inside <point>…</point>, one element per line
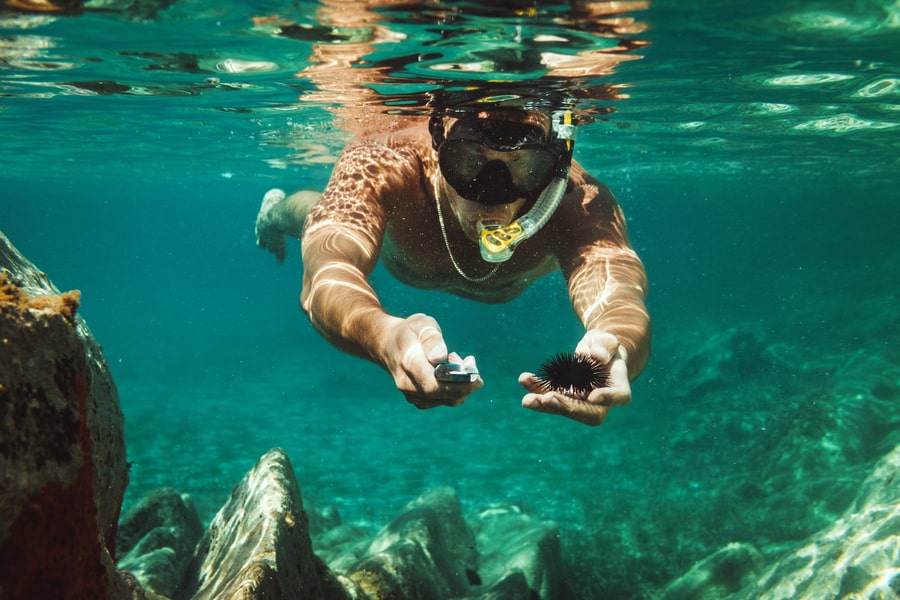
<point>493,164</point>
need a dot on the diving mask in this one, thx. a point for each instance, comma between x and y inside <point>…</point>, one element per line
<point>488,176</point>
<point>494,161</point>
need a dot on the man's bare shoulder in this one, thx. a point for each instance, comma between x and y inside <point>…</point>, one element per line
<point>380,176</point>
<point>587,196</point>
<point>410,137</point>
<point>588,215</point>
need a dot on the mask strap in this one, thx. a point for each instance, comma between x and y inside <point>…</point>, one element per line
<point>563,132</point>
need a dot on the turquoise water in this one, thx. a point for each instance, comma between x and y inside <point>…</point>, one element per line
<point>754,148</point>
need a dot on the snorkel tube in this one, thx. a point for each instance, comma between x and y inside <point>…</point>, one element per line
<point>498,242</point>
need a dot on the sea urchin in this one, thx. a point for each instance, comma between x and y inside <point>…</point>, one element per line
<point>572,373</point>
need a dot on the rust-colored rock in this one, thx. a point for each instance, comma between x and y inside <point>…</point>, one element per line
<point>62,451</point>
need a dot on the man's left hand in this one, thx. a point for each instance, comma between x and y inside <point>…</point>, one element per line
<point>590,408</point>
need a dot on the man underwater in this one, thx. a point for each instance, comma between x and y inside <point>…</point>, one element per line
<point>480,203</point>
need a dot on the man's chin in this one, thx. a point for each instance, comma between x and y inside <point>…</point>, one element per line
<point>473,232</point>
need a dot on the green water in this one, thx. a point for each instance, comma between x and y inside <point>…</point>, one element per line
<point>753,147</point>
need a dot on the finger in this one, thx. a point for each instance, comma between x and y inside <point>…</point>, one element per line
<point>610,397</point>
<point>414,367</point>
<point>420,402</point>
<point>433,344</point>
<point>453,397</point>
<point>598,344</point>
<point>446,394</point>
<point>424,403</point>
<point>618,389</point>
<point>531,383</point>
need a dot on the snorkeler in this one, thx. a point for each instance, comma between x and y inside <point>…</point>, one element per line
<point>480,203</point>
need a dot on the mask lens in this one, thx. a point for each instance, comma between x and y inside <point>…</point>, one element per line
<point>531,169</point>
<point>501,135</point>
<point>527,170</point>
<point>461,160</point>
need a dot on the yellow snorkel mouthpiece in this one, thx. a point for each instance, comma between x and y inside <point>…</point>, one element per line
<point>497,238</point>
<point>499,241</point>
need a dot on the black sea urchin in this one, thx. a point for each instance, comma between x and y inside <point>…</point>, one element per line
<point>572,373</point>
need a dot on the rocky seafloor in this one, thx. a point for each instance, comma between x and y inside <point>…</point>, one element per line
<point>811,508</point>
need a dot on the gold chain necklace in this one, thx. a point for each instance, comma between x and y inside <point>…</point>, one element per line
<point>437,200</point>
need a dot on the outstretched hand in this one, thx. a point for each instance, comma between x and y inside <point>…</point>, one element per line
<point>592,407</point>
<point>413,347</point>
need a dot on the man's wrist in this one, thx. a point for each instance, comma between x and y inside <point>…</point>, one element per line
<point>382,338</point>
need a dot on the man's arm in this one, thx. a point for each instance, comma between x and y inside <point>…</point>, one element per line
<point>606,279</point>
<point>341,243</point>
<point>607,289</point>
<point>607,286</point>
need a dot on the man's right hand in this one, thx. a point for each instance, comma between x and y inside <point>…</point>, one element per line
<point>411,349</point>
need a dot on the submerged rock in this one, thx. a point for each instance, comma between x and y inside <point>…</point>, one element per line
<point>427,551</point>
<point>430,550</point>
<point>858,557</point>
<point>513,542</point>
<point>259,546</point>
<point>157,539</point>
<point>717,576</point>
<point>720,358</point>
<point>62,450</point>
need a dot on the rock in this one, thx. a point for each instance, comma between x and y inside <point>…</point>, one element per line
<point>157,539</point>
<point>62,450</point>
<point>258,545</point>
<point>512,587</point>
<point>717,576</point>
<point>426,552</point>
<point>430,551</point>
<point>342,546</point>
<point>858,557</point>
<point>720,358</point>
<point>322,519</point>
<point>510,541</point>
<point>402,570</point>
